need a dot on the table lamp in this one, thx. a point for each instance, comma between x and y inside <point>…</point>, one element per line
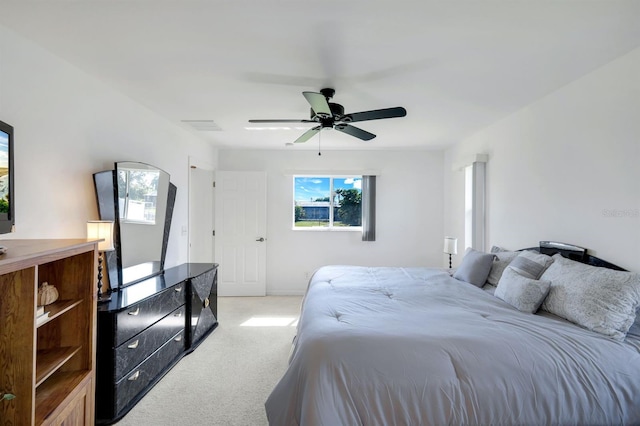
<point>450,247</point>
<point>101,229</point>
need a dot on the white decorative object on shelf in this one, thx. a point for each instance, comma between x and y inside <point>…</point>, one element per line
<point>40,319</point>
<point>47,294</point>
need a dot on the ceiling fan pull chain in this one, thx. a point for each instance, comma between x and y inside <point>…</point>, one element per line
<point>319,137</point>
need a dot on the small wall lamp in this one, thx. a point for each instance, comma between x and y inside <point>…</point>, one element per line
<point>450,247</point>
<point>101,229</point>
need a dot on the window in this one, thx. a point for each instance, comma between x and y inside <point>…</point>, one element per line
<point>468,206</point>
<point>327,202</point>
<point>141,189</point>
<point>474,206</point>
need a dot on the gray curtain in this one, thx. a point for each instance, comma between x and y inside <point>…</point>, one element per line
<point>368,208</point>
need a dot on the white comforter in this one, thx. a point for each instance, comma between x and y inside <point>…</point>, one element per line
<point>413,346</point>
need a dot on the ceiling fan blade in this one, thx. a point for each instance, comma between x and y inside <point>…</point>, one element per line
<point>308,134</point>
<point>376,114</point>
<point>354,131</point>
<point>282,121</point>
<point>318,103</point>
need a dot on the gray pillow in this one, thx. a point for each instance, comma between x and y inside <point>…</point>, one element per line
<point>633,335</point>
<point>635,327</point>
<point>500,262</point>
<point>475,267</point>
<point>598,299</point>
<point>522,292</point>
<point>531,264</point>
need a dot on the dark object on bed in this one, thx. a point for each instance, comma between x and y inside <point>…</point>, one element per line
<point>579,254</point>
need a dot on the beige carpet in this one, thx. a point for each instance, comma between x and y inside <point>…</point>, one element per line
<point>226,380</point>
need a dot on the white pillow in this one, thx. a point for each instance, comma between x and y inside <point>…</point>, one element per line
<point>521,292</point>
<point>531,264</point>
<point>598,299</point>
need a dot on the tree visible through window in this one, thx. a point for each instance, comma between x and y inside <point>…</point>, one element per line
<point>327,202</point>
<point>140,190</point>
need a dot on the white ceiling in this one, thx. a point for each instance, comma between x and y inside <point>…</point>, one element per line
<point>456,66</point>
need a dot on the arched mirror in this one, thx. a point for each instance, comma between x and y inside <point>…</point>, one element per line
<point>139,198</point>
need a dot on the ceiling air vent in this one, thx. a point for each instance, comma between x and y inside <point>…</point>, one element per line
<point>203,125</point>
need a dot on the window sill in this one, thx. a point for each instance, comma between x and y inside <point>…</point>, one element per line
<point>328,229</point>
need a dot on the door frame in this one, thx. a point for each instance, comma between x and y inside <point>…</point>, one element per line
<point>205,165</point>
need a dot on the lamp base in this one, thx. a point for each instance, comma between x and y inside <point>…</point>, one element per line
<point>104,298</point>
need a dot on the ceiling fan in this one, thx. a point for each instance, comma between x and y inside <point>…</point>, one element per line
<point>331,115</point>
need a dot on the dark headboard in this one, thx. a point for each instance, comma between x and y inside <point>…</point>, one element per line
<point>579,254</point>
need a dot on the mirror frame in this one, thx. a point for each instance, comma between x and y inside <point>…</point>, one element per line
<point>106,187</point>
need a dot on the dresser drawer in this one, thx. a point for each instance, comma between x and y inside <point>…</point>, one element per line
<point>139,316</point>
<point>141,376</point>
<point>135,350</point>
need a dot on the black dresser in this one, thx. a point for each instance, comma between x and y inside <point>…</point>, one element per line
<point>146,329</point>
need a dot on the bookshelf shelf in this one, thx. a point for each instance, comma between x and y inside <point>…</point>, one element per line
<point>55,390</point>
<point>48,361</point>
<point>58,308</point>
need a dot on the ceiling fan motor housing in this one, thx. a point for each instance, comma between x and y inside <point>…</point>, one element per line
<point>337,111</point>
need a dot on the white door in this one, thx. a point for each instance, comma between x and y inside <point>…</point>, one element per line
<point>240,242</point>
<point>200,215</point>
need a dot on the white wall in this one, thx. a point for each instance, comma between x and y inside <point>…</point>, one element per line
<point>409,212</point>
<point>69,125</point>
<point>565,168</point>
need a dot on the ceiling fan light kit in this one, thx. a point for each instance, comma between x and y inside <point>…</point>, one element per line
<point>329,115</point>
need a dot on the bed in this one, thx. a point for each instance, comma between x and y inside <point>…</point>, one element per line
<point>416,346</point>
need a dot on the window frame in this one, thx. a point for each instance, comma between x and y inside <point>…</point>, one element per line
<point>330,227</point>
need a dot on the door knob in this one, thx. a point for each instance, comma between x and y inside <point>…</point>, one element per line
<point>260,239</point>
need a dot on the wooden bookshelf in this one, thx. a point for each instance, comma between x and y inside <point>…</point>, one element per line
<point>50,366</point>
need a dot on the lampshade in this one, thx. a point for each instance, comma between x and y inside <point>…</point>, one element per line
<point>450,245</point>
<point>101,229</point>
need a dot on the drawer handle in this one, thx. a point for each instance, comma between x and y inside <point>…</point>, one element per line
<point>136,312</point>
<point>134,344</point>
<point>178,289</point>
<point>134,376</point>
<point>177,339</point>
